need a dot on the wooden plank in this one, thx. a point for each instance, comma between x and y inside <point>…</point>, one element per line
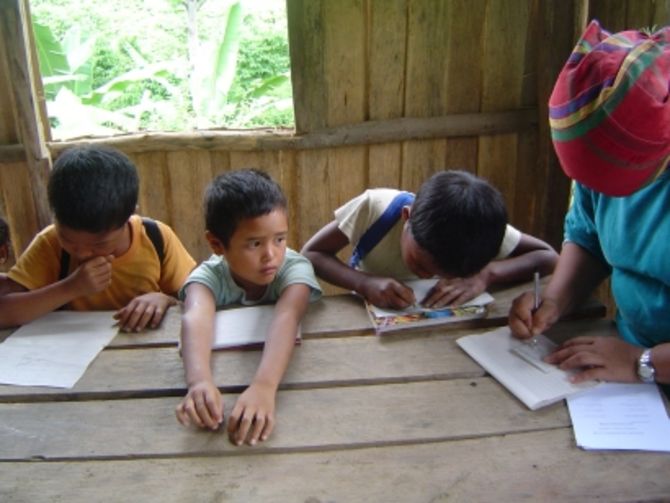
<point>384,165</point>
<point>533,466</point>
<point>315,364</point>
<point>344,315</point>
<point>324,419</point>
<point>306,32</point>
<point>23,220</point>
<point>188,174</point>
<point>155,194</point>
<point>562,23</point>
<point>503,61</point>
<point>344,55</point>
<point>387,26</point>
<point>364,133</point>
<point>14,28</point>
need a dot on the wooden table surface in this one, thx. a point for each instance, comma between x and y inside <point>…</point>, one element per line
<point>359,418</point>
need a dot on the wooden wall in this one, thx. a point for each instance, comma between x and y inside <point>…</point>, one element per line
<point>386,92</point>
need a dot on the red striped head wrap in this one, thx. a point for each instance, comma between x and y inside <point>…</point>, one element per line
<point>609,111</point>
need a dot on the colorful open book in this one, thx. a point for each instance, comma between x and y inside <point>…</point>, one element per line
<point>389,320</point>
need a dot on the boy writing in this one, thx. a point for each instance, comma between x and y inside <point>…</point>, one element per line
<point>247,225</point>
<point>453,229</point>
<point>610,120</point>
<point>97,255</point>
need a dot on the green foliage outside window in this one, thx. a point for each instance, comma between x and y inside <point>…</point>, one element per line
<point>169,65</point>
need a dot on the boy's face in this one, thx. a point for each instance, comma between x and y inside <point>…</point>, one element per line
<point>256,249</point>
<point>417,260</point>
<point>84,245</point>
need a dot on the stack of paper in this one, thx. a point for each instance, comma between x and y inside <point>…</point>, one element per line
<point>519,367</point>
<point>621,416</point>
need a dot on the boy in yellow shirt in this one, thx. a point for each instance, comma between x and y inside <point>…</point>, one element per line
<point>97,255</point>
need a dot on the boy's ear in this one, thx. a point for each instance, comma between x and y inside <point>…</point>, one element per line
<point>406,212</point>
<point>215,243</point>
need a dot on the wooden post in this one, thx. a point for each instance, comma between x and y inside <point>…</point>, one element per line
<point>561,22</point>
<point>26,215</point>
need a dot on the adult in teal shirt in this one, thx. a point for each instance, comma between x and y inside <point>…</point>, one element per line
<point>609,114</point>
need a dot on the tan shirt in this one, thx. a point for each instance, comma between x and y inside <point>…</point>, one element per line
<point>356,216</point>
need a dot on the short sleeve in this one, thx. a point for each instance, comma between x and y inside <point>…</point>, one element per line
<point>298,270</point>
<point>177,262</point>
<point>580,227</point>
<point>509,243</point>
<point>39,265</point>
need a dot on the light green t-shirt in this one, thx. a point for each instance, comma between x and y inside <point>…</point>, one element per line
<point>214,273</point>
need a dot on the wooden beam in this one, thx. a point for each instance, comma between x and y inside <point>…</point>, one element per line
<point>365,133</point>
<point>12,153</point>
<point>15,29</point>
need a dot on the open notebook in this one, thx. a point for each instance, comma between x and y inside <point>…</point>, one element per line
<point>243,326</point>
<point>518,366</point>
<point>389,320</point>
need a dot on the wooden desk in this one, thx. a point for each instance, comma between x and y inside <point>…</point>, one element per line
<point>360,418</point>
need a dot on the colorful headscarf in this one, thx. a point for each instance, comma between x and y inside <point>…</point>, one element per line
<point>609,111</point>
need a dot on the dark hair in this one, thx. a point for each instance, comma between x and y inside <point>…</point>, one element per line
<point>460,220</point>
<point>4,232</point>
<point>238,195</point>
<point>93,188</point>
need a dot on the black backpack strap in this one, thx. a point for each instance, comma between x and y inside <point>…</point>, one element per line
<point>64,264</point>
<point>154,233</point>
<point>380,227</point>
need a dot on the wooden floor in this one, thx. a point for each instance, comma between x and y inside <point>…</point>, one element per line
<point>360,418</point>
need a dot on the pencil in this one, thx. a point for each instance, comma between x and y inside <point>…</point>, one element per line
<point>536,299</point>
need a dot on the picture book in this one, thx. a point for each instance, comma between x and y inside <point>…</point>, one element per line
<point>389,320</point>
<point>243,326</point>
<point>519,366</point>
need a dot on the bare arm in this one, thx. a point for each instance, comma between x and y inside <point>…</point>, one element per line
<point>252,418</point>
<point>19,305</point>
<point>530,255</point>
<point>322,249</point>
<point>202,404</point>
<point>577,274</point>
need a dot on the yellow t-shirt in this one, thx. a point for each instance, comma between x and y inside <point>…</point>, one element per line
<point>136,272</point>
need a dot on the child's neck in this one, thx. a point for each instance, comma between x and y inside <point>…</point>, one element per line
<point>252,291</point>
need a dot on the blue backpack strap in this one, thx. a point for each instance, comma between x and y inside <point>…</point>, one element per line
<point>380,227</point>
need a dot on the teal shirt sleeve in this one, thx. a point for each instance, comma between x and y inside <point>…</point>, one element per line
<point>580,223</point>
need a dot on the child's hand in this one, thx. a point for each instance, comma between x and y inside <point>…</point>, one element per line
<point>202,406</point>
<point>454,291</point>
<point>525,323</point>
<point>386,292</point>
<point>604,358</point>
<point>145,310</point>
<point>253,418</point>
<point>93,276</point>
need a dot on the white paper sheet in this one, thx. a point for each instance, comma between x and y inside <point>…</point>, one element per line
<point>56,349</point>
<point>535,383</point>
<point>621,416</point>
<point>243,326</point>
<point>421,287</point>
